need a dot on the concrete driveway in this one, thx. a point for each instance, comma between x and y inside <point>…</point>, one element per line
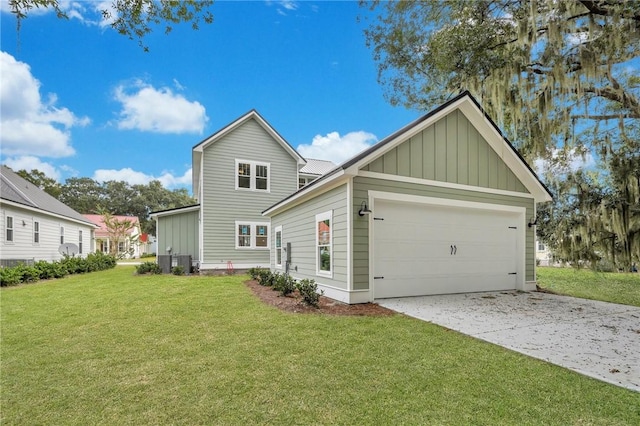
<point>598,339</point>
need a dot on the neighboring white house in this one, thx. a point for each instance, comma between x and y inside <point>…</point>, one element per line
<point>34,224</point>
<point>237,173</point>
<point>128,246</point>
<point>543,255</point>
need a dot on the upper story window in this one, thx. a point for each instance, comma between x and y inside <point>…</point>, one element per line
<point>252,235</point>
<point>324,242</point>
<point>36,232</point>
<point>252,175</point>
<point>9,228</point>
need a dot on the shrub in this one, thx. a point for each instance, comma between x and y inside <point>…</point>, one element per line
<point>285,284</point>
<point>177,270</point>
<point>99,261</point>
<point>28,274</point>
<point>49,270</point>
<point>148,268</point>
<point>266,278</point>
<point>142,256</point>
<point>10,277</point>
<point>255,272</point>
<point>308,289</point>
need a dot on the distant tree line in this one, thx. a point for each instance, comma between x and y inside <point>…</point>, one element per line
<point>88,196</point>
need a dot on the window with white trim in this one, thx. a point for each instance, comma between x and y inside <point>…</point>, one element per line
<point>324,240</point>
<point>9,228</point>
<point>62,235</point>
<point>36,232</point>
<point>278,246</point>
<point>252,235</point>
<point>252,176</point>
<point>80,241</point>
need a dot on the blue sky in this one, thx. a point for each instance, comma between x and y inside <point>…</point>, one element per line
<point>79,100</point>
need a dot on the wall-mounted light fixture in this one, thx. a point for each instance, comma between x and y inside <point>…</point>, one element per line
<point>364,209</point>
<point>533,221</point>
<point>24,223</point>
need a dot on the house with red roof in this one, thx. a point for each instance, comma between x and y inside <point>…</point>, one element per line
<point>127,246</point>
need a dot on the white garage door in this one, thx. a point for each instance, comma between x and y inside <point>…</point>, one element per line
<point>422,249</point>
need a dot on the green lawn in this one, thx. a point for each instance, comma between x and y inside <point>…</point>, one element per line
<point>113,348</point>
<point>606,286</point>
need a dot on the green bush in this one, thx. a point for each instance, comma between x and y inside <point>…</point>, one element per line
<point>148,268</point>
<point>50,270</point>
<point>266,278</point>
<point>10,277</point>
<point>308,289</point>
<point>285,284</point>
<point>255,272</point>
<point>142,256</point>
<point>99,261</point>
<point>177,270</point>
<point>28,274</point>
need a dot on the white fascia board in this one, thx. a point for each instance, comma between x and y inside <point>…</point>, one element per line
<point>175,211</point>
<point>305,194</point>
<point>196,173</point>
<point>442,184</point>
<point>47,213</point>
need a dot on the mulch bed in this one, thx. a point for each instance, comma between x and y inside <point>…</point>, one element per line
<point>293,303</point>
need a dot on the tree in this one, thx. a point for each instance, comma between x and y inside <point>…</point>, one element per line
<point>542,69</point>
<point>39,179</point>
<point>131,18</point>
<point>84,195</point>
<point>117,231</point>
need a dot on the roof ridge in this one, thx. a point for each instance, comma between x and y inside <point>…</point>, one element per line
<point>15,187</point>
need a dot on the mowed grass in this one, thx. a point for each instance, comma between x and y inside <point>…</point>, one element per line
<point>114,348</point>
<point>613,287</point>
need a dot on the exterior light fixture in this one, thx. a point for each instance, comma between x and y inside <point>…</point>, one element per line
<point>364,209</point>
<point>533,221</point>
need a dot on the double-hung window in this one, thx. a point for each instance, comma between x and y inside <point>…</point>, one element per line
<point>9,228</point>
<point>80,241</point>
<point>62,235</point>
<point>324,241</point>
<point>278,247</point>
<point>36,232</point>
<point>252,235</point>
<point>252,176</point>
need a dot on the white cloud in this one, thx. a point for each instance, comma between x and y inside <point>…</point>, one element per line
<point>160,110</point>
<point>133,177</point>
<point>29,163</point>
<point>568,161</point>
<point>336,148</point>
<point>31,126</point>
<point>87,12</point>
<point>289,4</point>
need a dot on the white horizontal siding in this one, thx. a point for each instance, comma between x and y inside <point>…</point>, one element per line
<point>23,246</point>
<point>299,229</point>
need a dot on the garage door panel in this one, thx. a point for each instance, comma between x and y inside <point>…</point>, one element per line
<point>424,249</point>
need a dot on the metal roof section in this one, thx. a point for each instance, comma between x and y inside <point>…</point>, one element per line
<point>175,210</point>
<point>18,190</point>
<point>317,167</point>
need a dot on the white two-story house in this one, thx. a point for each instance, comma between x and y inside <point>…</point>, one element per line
<point>238,172</point>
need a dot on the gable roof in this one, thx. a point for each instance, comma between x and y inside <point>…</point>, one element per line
<point>102,228</point>
<point>18,191</point>
<point>198,149</point>
<point>470,107</point>
<point>317,167</point>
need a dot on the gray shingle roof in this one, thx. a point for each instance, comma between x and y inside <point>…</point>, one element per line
<point>317,167</point>
<point>18,190</point>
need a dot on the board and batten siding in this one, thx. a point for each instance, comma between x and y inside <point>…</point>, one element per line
<point>222,205</point>
<point>450,150</point>
<point>180,232</point>
<point>299,228</point>
<point>362,186</point>
<point>23,245</point>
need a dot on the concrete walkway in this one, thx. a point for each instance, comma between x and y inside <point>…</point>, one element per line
<point>598,339</point>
